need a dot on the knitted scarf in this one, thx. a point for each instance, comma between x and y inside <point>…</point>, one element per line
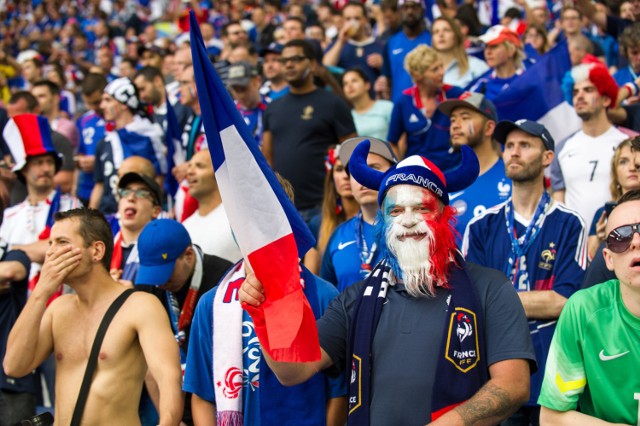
<point>462,357</point>
<point>305,402</point>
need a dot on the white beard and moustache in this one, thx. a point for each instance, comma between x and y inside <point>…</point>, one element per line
<point>414,258</point>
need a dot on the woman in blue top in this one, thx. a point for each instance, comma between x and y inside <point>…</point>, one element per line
<point>417,127</point>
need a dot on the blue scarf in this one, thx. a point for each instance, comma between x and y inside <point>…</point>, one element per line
<point>462,351</point>
<point>306,402</point>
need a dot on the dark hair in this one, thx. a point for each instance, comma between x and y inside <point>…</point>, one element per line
<point>391,5</point>
<point>297,19</point>
<point>92,227</point>
<point>568,8</point>
<point>513,13</point>
<point>93,82</point>
<point>54,89</point>
<point>224,31</point>
<point>130,61</point>
<point>360,73</point>
<point>32,102</point>
<point>307,49</point>
<point>357,4</point>
<point>149,73</point>
<point>632,195</point>
<point>468,17</point>
<point>36,61</point>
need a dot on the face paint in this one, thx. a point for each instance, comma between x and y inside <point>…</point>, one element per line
<point>471,129</point>
<point>415,225</point>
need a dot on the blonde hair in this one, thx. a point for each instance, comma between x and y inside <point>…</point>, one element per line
<point>519,53</point>
<point>614,184</point>
<point>458,50</point>
<point>420,59</point>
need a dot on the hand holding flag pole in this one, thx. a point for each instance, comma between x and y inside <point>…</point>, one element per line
<point>271,234</point>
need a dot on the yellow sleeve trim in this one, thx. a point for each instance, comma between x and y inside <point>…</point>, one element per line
<point>569,385</point>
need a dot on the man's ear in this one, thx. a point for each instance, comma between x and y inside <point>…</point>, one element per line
<point>608,258</point>
<point>98,249</point>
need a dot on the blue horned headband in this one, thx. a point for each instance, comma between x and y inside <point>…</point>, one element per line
<point>415,170</point>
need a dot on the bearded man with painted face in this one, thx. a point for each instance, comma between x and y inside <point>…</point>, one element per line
<point>426,337</point>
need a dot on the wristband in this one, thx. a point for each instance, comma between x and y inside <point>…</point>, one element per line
<point>632,87</point>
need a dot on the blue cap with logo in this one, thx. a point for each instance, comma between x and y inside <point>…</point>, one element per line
<point>160,244</point>
<point>531,127</point>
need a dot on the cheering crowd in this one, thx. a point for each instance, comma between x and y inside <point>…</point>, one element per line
<point>469,170</point>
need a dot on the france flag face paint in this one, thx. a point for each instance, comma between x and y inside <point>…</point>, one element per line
<point>409,238</point>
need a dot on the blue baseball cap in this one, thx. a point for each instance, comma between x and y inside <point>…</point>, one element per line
<point>531,127</point>
<point>160,244</point>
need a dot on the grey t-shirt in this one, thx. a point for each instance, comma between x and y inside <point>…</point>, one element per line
<point>406,346</point>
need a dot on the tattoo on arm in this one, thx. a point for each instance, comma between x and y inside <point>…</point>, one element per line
<point>490,402</point>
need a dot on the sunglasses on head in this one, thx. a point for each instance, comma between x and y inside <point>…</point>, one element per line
<point>619,240</point>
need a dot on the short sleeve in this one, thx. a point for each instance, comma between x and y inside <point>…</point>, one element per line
<point>564,376</point>
<point>343,120</point>
<point>98,168</point>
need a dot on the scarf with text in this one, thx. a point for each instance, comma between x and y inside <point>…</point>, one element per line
<point>305,402</point>
<point>462,347</point>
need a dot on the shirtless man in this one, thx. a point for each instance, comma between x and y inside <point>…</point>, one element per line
<point>79,254</point>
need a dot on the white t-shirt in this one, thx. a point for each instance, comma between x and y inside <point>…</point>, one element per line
<point>585,162</point>
<point>213,234</point>
<point>23,223</point>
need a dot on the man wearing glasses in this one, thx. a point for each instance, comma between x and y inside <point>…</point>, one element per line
<point>300,127</point>
<point>594,357</point>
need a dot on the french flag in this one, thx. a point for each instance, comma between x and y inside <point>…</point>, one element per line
<point>537,95</point>
<point>28,135</point>
<point>271,234</point>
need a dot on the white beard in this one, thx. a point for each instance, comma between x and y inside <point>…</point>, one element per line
<point>414,258</point>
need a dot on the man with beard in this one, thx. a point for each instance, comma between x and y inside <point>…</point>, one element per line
<point>415,297</point>
<point>542,247</point>
<point>580,173</point>
<point>300,127</point>
<point>473,120</point>
<point>394,77</point>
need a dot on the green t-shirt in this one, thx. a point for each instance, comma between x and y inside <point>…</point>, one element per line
<point>594,358</point>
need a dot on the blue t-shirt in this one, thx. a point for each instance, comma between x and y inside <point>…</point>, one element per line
<point>426,137</point>
<point>490,189</point>
<point>625,75</point>
<point>91,127</point>
<point>253,118</point>
<point>555,260</point>
<point>346,253</point>
<point>354,55</point>
<point>198,377</point>
<point>398,46</point>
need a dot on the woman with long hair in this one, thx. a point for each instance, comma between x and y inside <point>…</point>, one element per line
<point>448,40</point>
<point>338,205</point>
<point>371,117</point>
<point>625,176</point>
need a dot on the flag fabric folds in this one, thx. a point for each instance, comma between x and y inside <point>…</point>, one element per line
<point>537,95</point>
<point>270,232</point>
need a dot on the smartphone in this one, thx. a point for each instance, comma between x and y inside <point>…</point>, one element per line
<point>608,207</point>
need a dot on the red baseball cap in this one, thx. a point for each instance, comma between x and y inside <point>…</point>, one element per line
<point>499,34</point>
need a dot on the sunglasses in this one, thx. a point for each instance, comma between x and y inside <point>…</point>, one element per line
<point>139,194</point>
<point>619,240</point>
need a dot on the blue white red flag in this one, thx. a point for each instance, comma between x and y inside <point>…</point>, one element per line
<point>270,232</point>
<point>537,95</point>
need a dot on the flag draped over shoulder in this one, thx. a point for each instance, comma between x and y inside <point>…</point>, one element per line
<point>270,232</point>
<point>537,95</point>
